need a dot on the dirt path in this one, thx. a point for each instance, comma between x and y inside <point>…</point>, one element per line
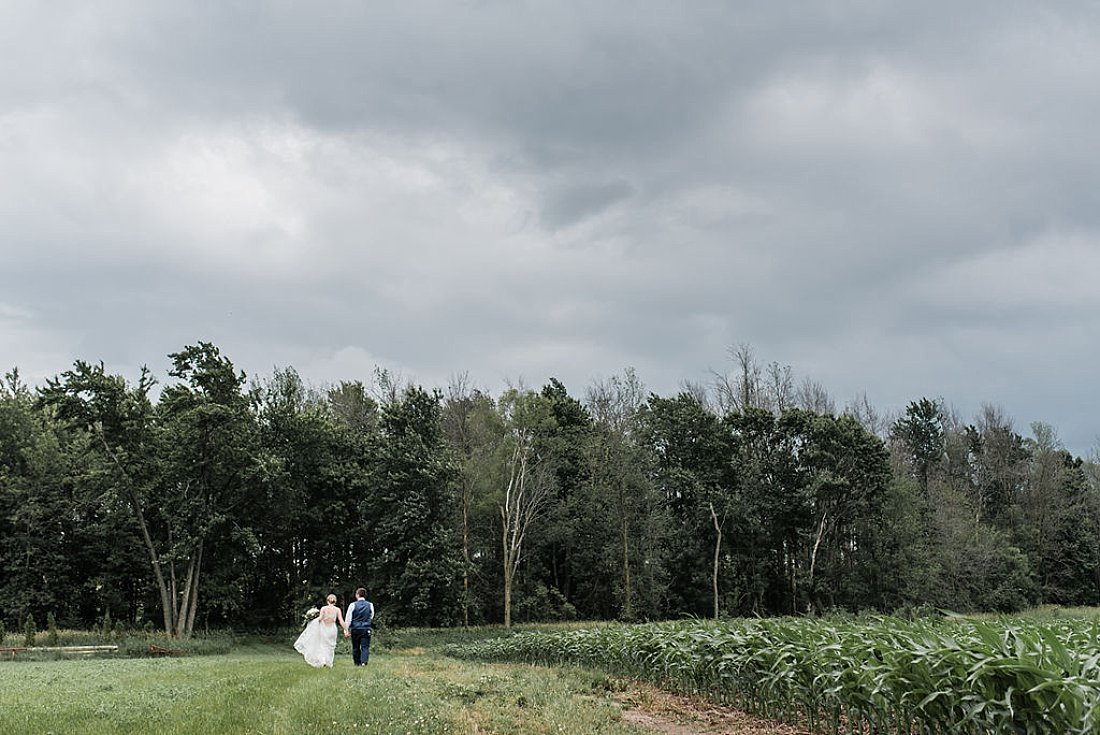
<point>675,714</point>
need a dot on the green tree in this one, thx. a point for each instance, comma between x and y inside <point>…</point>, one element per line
<point>464,425</point>
<point>623,497</point>
<point>1069,558</point>
<point>691,454</point>
<point>774,519</point>
<point>304,538</point>
<point>553,568</point>
<point>36,510</point>
<point>999,466</point>
<point>903,563</point>
<point>122,451</point>
<point>843,473</point>
<point>528,481</point>
<point>209,450</point>
<point>1057,521</point>
<point>922,435</point>
<point>410,514</point>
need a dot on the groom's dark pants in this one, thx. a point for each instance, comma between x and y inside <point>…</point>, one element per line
<point>360,646</point>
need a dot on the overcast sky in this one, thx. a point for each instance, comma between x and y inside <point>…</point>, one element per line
<point>897,199</point>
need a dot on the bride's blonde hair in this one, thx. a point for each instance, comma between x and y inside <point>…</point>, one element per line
<point>331,599</point>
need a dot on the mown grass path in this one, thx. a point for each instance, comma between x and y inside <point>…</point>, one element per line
<point>268,690</point>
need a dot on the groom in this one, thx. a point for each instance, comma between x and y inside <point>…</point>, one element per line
<point>359,618</point>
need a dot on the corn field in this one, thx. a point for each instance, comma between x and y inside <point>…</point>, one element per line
<point>874,675</point>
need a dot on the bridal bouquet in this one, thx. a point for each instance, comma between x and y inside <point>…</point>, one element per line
<point>309,615</point>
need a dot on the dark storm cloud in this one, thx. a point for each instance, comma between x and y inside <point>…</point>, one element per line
<point>897,199</point>
<point>573,203</point>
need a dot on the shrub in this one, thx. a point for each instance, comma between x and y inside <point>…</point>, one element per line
<point>51,630</point>
<point>29,631</point>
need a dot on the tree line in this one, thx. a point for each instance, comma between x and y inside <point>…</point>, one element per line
<point>214,501</point>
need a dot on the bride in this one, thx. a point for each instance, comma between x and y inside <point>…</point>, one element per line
<point>317,643</point>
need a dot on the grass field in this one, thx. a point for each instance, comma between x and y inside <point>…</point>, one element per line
<point>266,688</point>
<point>1036,673</point>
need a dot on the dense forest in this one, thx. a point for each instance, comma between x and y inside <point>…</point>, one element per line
<point>214,501</point>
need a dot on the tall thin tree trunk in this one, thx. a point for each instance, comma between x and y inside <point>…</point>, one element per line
<point>466,553</point>
<point>154,561</point>
<point>624,528</point>
<point>146,537</point>
<point>173,589</point>
<point>183,603</point>
<point>717,551</point>
<point>511,518</point>
<point>523,499</point>
<point>813,563</point>
<point>789,568</point>
<point>628,601</point>
<point>507,594</point>
<point>194,597</point>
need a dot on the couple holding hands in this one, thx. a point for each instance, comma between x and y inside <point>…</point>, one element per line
<point>317,643</point>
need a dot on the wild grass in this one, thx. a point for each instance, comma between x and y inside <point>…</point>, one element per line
<point>406,638</point>
<point>131,644</point>
<point>264,688</point>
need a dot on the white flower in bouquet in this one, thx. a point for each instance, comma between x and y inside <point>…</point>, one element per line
<point>310,614</point>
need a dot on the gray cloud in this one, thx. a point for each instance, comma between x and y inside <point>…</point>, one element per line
<point>892,199</point>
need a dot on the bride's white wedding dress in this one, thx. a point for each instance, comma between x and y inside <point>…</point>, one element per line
<point>317,643</point>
